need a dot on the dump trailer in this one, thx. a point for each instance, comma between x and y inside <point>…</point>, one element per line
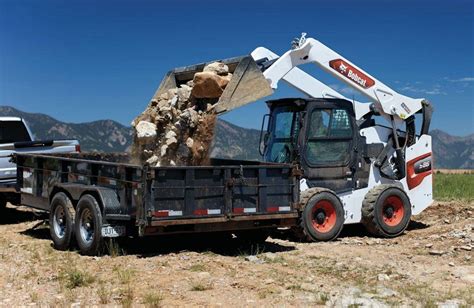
<point>91,197</point>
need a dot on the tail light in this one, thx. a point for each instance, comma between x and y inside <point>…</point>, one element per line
<point>78,148</point>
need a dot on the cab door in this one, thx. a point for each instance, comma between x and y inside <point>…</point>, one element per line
<point>283,130</point>
<point>327,144</point>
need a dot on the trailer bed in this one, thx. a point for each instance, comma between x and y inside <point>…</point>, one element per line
<point>140,200</point>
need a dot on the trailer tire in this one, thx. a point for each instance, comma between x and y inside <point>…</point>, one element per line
<point>322,217</point>
<point>61,221</point>
<point>386,211</point>
<point>88,227</point>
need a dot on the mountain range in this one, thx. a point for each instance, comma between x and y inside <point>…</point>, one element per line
<point>230,141</point>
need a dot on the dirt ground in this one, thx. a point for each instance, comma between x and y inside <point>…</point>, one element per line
<point>432,263</point>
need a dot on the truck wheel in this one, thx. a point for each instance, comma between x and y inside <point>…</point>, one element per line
<point>61,221</point>
<point>88,227</point>
<point>386,211</point>
<point>323,215</point>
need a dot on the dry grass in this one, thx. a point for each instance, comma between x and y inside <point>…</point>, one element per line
<point>200,286</point>
<point>127,295</point>
<point>198,268</point>
<point>75,278</point>
<point>153,299</point>
<point>104,294</point>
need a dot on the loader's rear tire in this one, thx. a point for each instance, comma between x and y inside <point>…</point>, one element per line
<point>88,227</point>
<point>386,211</point>
<point>61,221</point>
<point>323,215</point>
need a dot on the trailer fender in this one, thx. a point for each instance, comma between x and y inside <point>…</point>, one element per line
<point>107,198</point>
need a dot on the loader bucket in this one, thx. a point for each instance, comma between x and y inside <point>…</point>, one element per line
<point>247,84</point>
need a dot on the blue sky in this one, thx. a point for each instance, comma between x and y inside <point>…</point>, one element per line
<point>87,60</point>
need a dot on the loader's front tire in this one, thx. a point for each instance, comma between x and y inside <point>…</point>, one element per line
<point>88,227</point>
<point>322,218</point>
<point>61,221</point>
<point>386,211</point>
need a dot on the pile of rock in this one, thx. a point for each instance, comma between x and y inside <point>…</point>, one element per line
<point>177,128</point>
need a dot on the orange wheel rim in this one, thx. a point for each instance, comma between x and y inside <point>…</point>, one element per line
<point>323,216</point>
<point>393,211</point>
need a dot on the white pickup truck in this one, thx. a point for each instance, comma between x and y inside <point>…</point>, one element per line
<point>16,137</point>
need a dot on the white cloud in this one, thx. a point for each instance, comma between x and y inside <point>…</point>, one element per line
<point>434,90</point>
<point>409,88</point>
<point>464,79</point>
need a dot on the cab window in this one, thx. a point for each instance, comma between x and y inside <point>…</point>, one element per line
<point>329,137</point>
<point>284,128</point>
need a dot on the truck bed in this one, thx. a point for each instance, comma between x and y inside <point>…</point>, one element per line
<point>226,195</point>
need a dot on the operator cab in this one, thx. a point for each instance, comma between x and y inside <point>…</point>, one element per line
<point>321,135</point>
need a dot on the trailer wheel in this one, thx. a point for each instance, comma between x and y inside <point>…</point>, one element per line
<point>61,221</point>
<point>386,211</point>
<point>88,227</point>
<point>323,215</point>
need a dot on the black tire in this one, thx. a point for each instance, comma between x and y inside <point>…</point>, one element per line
<point>322,217</point>
<point>386,211</point>
<point>256,236</point>
<point>297,232</point>
<point>88,227</point>
<point>61,221</point>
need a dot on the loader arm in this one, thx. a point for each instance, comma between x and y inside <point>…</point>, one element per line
<point>307,84</point>
<point>387,101</point>
<point>297,78</point>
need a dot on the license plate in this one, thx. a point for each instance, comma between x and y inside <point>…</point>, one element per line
<point>113,231</point>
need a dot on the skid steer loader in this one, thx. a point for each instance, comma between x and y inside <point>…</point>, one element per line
<point>360,162</point>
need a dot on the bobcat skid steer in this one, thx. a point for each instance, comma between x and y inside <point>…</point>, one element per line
<point>360,162</point>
